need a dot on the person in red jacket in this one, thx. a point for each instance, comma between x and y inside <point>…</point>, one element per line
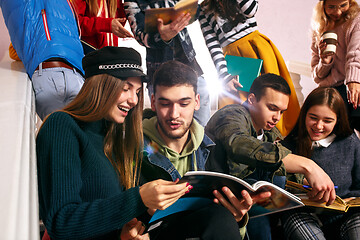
<point>101,21</point>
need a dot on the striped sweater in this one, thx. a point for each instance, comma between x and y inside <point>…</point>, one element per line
<point>217,36</point>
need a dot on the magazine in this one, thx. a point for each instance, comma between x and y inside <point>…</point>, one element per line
<point>169,14</point>
<point>205,182</point>
<point>339,204</point>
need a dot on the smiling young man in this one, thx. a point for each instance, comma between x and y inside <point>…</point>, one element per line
<point>247,145</point>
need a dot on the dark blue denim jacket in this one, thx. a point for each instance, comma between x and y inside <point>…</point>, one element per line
<point>157,166</point>
<point>157,51</point>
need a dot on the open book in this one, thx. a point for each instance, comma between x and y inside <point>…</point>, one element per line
<point>169,14</point>
<point>339,204</point>
<point>246,68</point>
<point>205,182</point>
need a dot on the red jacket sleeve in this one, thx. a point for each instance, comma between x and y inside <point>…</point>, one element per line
<point>91,25</point>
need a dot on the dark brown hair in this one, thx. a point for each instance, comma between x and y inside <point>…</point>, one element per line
<point>226,9</point>
<point>320,96</point>
<point>173,73</point>
<point>269,80</point>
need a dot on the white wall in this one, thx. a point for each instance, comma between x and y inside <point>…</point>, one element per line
<point>287,24</point>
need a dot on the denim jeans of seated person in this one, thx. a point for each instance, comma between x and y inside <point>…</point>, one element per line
<point>54,88</point>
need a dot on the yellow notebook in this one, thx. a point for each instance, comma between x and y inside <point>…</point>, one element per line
<point>169,14</point>
<point>339,205</point>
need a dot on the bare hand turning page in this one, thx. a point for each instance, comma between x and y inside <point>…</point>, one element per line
<point>205,182</point>
<point>339,204</point>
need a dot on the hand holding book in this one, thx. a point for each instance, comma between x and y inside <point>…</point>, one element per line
<point>238,206</point>
<point>338,205</point>
<point>170,14</point>
<point>169,31</point>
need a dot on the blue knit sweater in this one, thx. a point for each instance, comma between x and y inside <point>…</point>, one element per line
<point>341,161</point>
<point>80,194</point>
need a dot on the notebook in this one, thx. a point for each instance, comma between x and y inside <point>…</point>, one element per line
<point>247,68</point>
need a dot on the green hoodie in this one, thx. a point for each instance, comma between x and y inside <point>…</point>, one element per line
<point>180,161</point>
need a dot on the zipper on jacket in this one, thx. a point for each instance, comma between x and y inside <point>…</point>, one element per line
<point>47,32</point>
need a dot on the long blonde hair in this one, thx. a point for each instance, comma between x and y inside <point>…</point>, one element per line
<point>320,21</point>
<point>123,142</point>
<point>94,6</point>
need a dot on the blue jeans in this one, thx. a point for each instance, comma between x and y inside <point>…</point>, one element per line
<point>54,88</point>
<point>202,115</point>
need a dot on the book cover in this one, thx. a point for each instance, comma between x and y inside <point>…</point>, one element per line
<point>169,14</point>
<point>339,204</point>
<point>246,68</point>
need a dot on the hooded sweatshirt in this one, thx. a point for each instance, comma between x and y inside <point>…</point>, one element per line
<point>181,161</point>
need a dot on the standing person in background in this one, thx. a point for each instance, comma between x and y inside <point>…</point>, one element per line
<point>170,42</point>
<point>229,27</point>
<point>101,22</point>
<point>342,68</point>
<point>45,36</point>
<point>323,134</point>
<point>88,156</point>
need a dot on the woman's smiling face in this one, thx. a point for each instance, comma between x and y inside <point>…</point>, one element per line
<point>127,99</point>
<point>335,9</point>
<point>320,122</point>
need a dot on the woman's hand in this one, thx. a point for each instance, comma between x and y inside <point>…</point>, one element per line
<point>133,230</point>
<point>169,31</point>
<point>160,194</point>
<point>325,57</point>
<point>233,85</point>
<point>237,207</point>
<point>118,29</point>
<point>353,94</point>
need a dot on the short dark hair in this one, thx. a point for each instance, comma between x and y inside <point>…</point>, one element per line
<point>269,80</point>
<point>172,73</point>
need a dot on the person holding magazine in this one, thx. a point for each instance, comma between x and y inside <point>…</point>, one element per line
<point>230,28</point>
<point>170,41</point>
<point>323,134</point>
<point>88,156</point>
<point>175,143</point>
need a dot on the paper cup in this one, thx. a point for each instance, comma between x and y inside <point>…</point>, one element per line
<point>331,40</point>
